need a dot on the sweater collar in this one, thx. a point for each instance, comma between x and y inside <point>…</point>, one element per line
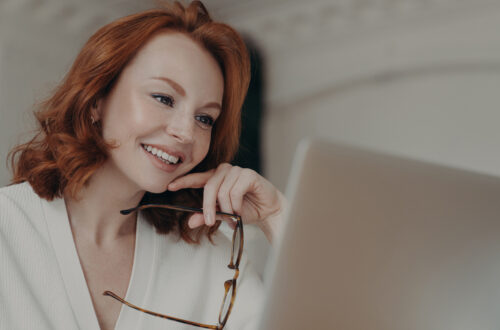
<point>58,225</point>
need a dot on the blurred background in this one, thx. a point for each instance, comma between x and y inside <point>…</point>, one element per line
<point>418,78</point>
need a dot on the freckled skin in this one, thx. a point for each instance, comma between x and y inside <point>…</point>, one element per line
<point>131,115</point>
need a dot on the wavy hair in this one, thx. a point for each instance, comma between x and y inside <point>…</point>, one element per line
<point>67,149</point>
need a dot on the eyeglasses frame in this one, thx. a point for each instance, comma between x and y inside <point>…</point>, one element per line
<point>227,284</point>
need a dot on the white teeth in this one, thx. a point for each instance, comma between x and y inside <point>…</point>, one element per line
<point>161,154</point>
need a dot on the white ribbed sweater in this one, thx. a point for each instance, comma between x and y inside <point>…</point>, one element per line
<point>42,285</point>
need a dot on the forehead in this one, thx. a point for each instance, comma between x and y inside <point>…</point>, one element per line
<point>176,56</point>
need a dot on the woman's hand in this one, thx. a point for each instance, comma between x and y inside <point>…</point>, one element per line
<point>235,190</point>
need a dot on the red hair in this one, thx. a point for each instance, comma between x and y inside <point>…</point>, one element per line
<point>67,149</point>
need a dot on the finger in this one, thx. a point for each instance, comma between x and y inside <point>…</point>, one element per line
<point>196,220</point>
<point>193,180</point>
<point>246,180</point>
<point>223,194</point>
<point>210,193</point>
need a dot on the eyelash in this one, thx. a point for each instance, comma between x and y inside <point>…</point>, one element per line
<point>205,120</point>
<point>165,99</point>
<point>210,120</point>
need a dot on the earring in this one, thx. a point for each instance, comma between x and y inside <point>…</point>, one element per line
<point>93,120</point>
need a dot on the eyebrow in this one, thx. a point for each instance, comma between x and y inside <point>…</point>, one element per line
<point>178,88</point>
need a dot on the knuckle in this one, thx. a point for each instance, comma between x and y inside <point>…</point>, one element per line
<point>211,181</point>
<point>249,173</point>
<point>208,188</point>
<point>223,166</point>
<point>236,171</point>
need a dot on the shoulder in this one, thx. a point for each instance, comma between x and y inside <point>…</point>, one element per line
<point>17,196</point>
<point>19,206</point>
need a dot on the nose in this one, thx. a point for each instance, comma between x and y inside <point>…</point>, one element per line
<point>181,127</point>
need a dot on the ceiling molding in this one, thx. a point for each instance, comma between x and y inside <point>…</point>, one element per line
<point>284,25</point>
<point>469,37</point>
<point>276,25</point>
<point>70,15</point>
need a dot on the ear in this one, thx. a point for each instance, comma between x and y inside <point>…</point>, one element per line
<point>96,110</point>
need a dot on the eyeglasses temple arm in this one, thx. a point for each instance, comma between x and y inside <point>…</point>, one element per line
<point>174,207</point>
<point>201,325</point>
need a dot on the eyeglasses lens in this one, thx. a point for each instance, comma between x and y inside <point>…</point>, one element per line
<point>237,243</point>
<point>226,304</point>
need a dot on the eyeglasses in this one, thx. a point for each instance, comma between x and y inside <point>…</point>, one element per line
<point>229,285</point>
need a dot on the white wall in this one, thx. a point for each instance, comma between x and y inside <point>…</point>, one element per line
<point>38,42</point>
<point>443,118</point>
<point>423,84</point>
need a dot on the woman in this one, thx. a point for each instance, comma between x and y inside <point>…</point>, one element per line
<point>149,112</point>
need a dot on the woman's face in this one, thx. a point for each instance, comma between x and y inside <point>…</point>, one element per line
<point>165,103</point>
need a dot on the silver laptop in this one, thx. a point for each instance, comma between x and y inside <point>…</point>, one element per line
<point>374,241</point>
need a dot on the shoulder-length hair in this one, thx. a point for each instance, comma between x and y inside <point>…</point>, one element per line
<point>67,149</point>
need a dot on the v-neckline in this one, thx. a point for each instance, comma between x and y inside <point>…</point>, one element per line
<point>57,220</point>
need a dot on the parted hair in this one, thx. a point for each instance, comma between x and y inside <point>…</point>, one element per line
<point>67,148</point>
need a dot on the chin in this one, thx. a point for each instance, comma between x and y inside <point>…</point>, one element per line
<point>153,186</point>
<point>155,189</point>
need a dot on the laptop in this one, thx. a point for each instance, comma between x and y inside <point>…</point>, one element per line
<point>374,241</point>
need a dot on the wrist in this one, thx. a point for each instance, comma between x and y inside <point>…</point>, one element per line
<point>272,223</point>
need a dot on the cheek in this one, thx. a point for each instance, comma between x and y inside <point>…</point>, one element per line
<point>129,120</point>
<point>202,146</point>
<point>122,132</point>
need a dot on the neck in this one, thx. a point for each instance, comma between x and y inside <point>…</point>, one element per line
<point>95,214</point>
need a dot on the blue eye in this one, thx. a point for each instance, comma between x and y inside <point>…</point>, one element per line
<point>164,99</point>
<point>205,120</point>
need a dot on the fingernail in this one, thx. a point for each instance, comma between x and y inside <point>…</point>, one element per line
<point>208,218</point>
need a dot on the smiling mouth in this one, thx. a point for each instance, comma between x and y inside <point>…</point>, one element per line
<point>162,155</point>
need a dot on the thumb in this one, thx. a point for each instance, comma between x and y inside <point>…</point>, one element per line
<point>196,220</point>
